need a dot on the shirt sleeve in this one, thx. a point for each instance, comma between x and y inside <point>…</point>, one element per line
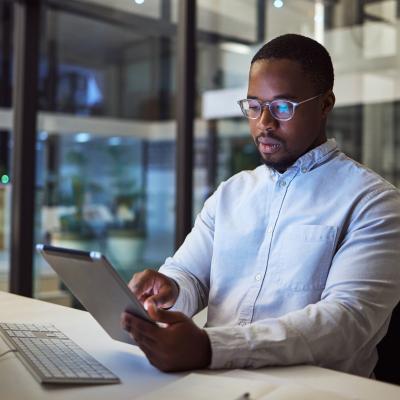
<point>362,288</point>
<point>190,265</point>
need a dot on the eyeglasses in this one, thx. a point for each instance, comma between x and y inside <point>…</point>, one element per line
<point>280,109</point>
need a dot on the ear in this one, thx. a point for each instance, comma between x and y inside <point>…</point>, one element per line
<point>328,102</point>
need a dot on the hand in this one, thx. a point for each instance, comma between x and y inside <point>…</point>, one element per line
<point>152,286</point>
<point>180,346</point>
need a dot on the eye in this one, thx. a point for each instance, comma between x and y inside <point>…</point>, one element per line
<point>250,108</point>
<point>282,107</point>
<point>251,105</point>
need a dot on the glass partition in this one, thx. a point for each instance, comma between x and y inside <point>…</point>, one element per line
<point>228,33</point>
<point>106,138</point>
<point>363,40</point>
<point>106,125</point>
<point>6,27</point>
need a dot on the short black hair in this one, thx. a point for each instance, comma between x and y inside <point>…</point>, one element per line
<point>311,55</point>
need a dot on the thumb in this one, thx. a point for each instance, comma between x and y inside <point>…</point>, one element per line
<point>164,316</point>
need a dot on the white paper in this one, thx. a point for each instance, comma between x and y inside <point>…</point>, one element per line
<point>205,387</point>
<point>209,387</point>
<point>297,392</point>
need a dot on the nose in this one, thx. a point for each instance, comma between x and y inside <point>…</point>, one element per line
<point>266,120</point>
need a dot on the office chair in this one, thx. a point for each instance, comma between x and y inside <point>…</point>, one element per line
<point>388,367</point>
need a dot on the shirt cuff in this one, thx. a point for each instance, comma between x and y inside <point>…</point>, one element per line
<point>181,303</point>
<point>187,300</point>
<point>225,348</point>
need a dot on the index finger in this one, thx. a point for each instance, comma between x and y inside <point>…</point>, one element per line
<point>141,284</point>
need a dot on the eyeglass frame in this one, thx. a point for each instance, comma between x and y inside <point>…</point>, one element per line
<point>264,104</point>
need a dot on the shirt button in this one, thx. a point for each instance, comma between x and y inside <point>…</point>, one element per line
<point>269,230</point>
<point>242,323</point>
<point>258,277</point>
<point>304,170</point>
<point>283,183</point>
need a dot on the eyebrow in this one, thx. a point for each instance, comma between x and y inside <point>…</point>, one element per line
<point>285,96</point>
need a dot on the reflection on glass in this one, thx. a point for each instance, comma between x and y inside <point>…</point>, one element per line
<point>97,68</point>
<point>112,194</point>
<point>95,199</point>
<point>106,141</point>
<point>362,38</point>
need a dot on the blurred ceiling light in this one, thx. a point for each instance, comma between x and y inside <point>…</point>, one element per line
<point>278,3</point>
<point>319,19</point>
<point>236,47</point>
<point>139,1</point>
<point>43,135</point>
<point>82,137</point>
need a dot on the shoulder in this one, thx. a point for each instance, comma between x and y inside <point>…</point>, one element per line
<point>365,184</point>
<point>245,179</point>
<point>360,175</point>
<point>239,188</point>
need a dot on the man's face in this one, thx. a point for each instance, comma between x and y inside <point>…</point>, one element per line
<point>281,143</point>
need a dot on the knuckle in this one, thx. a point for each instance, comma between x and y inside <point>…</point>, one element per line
<point>148,272</point>
<point>163,364</point>
<point>138,282</point>
<point>137,337</point>
<point>133,282</point>
<point>152,361</point>
<point>166,366</point>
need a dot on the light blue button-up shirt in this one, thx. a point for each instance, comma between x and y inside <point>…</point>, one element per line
<point>296,268</point>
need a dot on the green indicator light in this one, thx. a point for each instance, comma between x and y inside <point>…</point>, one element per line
<point>5,179</point>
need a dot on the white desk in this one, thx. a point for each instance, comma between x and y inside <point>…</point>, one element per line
<point>128,362</point>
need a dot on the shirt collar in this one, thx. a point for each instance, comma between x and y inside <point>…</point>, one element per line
<point>310,159</point>
<point>315,156</point>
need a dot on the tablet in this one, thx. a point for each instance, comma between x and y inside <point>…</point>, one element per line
<point>95,283</point>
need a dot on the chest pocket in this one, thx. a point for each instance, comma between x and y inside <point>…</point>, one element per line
<point>305,256</point>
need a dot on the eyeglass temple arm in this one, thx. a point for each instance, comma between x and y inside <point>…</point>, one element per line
<point>305,101</point>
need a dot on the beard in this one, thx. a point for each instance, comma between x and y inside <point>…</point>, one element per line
<point>281,165</point>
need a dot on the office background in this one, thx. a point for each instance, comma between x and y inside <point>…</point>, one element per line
<point>114,168</point>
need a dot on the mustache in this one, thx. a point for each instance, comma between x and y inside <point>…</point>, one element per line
<point>274,138</point>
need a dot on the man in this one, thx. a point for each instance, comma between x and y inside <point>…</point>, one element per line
<point>298,260</point>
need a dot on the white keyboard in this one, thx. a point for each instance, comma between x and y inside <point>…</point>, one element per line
<point>52,357</point>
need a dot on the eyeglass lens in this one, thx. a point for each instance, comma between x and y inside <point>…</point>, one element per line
<point>280,109</point>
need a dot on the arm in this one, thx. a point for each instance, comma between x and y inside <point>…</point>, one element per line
<point>362,288</point>
<point>182,283</point>
<point>190,265</point>
<point>179,344</point>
